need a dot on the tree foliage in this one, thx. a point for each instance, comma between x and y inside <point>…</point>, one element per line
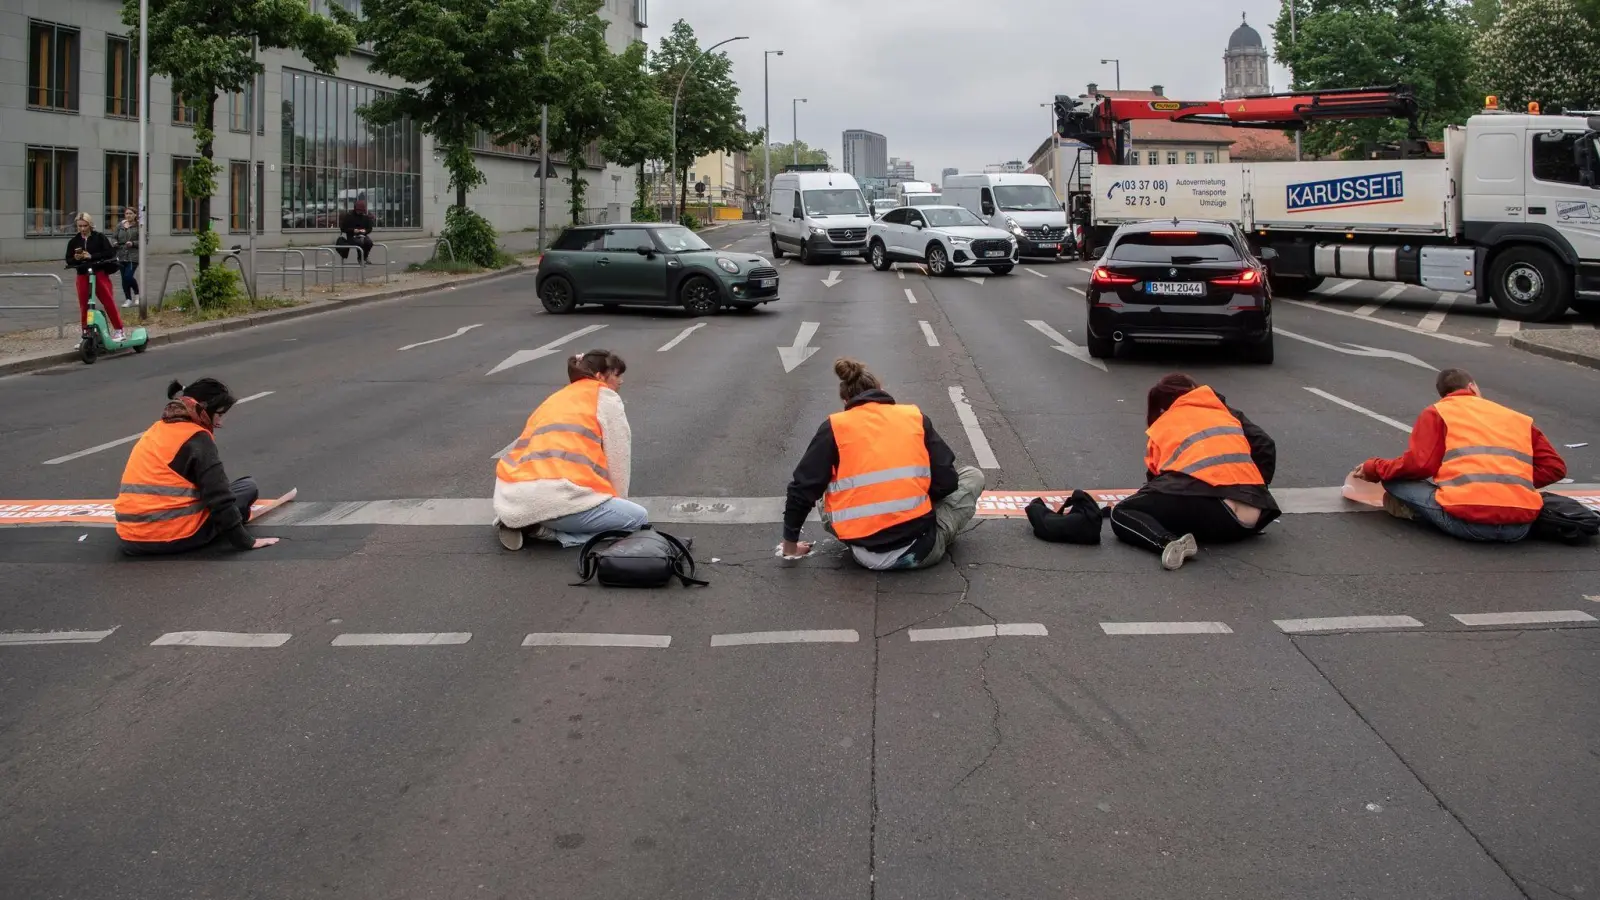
<point>204,48</point>
<point>783,155</point>
<point>709,117</point>
<point>1425,44</point>
<point>1541,50</point>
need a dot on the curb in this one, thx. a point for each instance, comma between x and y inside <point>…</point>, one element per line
<point>271,317</point>
<point>1571,356</point>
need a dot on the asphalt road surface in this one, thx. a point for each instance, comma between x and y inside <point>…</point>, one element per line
<point>1301,716</point>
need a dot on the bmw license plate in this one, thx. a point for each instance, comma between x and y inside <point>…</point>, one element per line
<point>1176,288</point>
<point>990,254</point>
<point>768,282</point>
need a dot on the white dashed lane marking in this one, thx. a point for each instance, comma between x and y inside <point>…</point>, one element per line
<point>219,639</point>
<point>1345,623</point>
<point>969,422</point>
<point>130,438</point>
<point>784,637</point>
<point>679,339</point>
<point>1126,628</point>
<point>25,638</point>
<point>1530,617</point>
<point>1393,423</point>
<point>927,332</point>
<point>969,632</point>
<point>590,639</point>
<point>414,639</point>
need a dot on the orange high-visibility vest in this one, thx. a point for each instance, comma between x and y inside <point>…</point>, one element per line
<point>1488,456</point>
<point>883,474</point>
<point>155,504</point>
<point>1198,436</point>
<point>562,440</point>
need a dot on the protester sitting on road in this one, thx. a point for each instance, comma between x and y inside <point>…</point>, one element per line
<point>566,478</point>
<point>1473,468</point>
<point>1207,468</point>
<point>175,495</point>
<point>357,227</point>
<point>93,255</point>
<point>889,485</point>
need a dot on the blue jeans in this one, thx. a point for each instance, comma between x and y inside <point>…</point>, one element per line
<point>130,284</point>
<point>1418,496</point>
<point>616,514</point>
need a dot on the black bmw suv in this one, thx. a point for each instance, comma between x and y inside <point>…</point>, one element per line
<point>1180,282</point>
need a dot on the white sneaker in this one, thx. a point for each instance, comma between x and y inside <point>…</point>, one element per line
<point>119,335</point>
<point>127,304</point>
<point>1175,553</point>
<point>510,538</point>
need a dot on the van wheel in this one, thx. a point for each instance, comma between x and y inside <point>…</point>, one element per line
<point>777,251</point>
<point>807,258</point>
<point>1529,285</point>
<point>879,256</point>
<point>938,261</point>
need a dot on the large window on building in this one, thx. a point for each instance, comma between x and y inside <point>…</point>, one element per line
<point>185,206</point>
<point>122,186</point>
<point>239,107</point>
<point>52,191</point>
<point>332,157</point>
<point>52,66</point>
<point>1189,158</point>
<point>122,78</point>
<point>182,112</point>
<point>1211,156</point>
<point>239,190</point>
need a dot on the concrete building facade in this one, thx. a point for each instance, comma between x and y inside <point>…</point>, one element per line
<point>69,141</point>
<point>866,154</point>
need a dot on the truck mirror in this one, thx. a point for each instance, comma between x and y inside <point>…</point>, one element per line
<point>1268,254</point>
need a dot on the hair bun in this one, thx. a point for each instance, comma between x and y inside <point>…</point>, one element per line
<point>174,389</point>
<point>848,369</point>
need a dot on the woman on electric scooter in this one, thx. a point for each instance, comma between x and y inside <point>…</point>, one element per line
<point>94,256</point>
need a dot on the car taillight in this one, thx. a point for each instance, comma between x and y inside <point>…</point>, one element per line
<point>1104,277</point>
<point>1249,278</point>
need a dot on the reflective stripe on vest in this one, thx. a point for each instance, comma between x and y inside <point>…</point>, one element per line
<point>1488,456</point>
<point>884,472</point>
<point>155,504</point>
<point>1197,436</point>
<point>562,441</point>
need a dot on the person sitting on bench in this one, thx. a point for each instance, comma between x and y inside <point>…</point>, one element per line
<point>357,227</point>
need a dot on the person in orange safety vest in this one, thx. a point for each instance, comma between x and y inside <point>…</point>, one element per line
<point>174,495</point>
<point>1207,468</point>
<point>1473,468</point>
<point>566,477</point>
<point>888,484</point>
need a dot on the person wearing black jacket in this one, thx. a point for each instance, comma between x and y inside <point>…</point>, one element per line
<point>93,255</point>
<point>889,484</point>
<point>1207,468</point>
<point>175,495</point>
<point>356,227</point>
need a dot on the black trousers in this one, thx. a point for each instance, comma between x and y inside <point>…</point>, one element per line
<point>361,242</point>
<point>1153,521</point>
<point>245,493</point>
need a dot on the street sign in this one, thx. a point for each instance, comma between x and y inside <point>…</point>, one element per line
<point>700,187</point>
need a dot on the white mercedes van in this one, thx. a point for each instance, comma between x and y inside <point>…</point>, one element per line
<point>818,214</point>
<point>1025,205</point>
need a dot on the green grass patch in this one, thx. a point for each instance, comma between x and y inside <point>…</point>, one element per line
<point>446,266</point>
<point>179,309</point>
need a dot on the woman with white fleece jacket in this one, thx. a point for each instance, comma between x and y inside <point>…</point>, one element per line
<point>566,478</point>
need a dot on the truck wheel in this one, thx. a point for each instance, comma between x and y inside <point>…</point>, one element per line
<point>1294,285</point>
<point>1528,284</point>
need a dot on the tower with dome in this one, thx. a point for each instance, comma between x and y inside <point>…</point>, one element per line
<point>1245,64</point>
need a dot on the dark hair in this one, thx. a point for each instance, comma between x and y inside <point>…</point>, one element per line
<point>209,394</point>
<point>593,363</point>
<point>1452,380</point>
<point>854,378</point>
<point>1165,393</point>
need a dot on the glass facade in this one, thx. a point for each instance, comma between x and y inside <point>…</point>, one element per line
<point>52,191</point>
<point>122,186</point>
<point>333,157</point>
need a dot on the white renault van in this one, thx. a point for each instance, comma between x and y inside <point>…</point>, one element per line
<point>818,214</point>
<point>1025,205</point>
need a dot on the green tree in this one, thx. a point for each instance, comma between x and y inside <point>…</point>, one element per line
<point>1544,51</point>
<point>709,118</point>
<point>1425,44</point>
<point>204,47</point>
<point>783,155</point>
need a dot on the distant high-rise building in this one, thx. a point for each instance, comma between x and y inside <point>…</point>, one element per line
<point>866,154</point>
<point>901,170</point>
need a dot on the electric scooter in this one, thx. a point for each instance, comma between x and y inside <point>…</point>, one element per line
<point>97,339</point>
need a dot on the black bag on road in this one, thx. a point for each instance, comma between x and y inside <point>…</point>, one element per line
<point>1565,520</point>
<point>638,559</point>
<point>1076,522</point>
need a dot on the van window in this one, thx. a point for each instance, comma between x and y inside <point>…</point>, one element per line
<point>987,198</point>
<point>1026,197</point>
<point>798,213</point>
<point>835,202</point>
<point>1553,159</point>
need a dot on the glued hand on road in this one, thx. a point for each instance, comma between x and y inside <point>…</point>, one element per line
<point>793,550</point>
<point>263,543</point>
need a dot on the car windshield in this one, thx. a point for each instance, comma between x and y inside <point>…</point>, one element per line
<point>924,199</point>
<point>678,239</point>
<point>835,202</point>
<point>951,218</point>
<point>1026,197</point>
<point>1174,246</point>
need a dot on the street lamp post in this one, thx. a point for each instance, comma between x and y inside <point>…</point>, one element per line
<point>144,147</point>
<point>766,104</point>
<point>1292,41</point>
<point>672,160</point>
<point>794,109</point>
<point>1118,64</point>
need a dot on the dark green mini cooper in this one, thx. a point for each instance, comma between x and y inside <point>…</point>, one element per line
<point>650,265</point>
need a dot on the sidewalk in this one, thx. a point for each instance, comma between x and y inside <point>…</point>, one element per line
<point>1580,347</point>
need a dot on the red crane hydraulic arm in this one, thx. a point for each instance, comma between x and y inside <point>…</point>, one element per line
<point>1095,121</point>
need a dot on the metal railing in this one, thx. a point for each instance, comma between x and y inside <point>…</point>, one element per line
<point>166,277</point>
<point>249,288</point>
<point>336,264</point>
<point>446,242</point>
<point>61,297</point>
<point>284,269</point>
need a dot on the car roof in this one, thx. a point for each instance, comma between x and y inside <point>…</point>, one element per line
<point>928,206</point>
<point>1207,227</point>
<point>626,225</point>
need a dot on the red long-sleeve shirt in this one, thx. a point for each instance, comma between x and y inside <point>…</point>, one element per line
<point>1425,454</point>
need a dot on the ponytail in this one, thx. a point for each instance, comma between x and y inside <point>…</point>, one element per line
<point>594,363</point>
<point>854,378</point>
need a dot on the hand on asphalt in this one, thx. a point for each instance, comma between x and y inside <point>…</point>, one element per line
<point>263,543</point>
<point>1360,473</point>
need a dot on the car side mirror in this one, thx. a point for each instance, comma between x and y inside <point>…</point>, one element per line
<point>917,225</point>
<point>1268,254</point>
<point>646,252</point>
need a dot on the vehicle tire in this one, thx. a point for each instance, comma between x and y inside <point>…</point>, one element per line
<point>88,351</point>
<point>1294,285</point>
<point>938,261</point>
<point>879,256</point>
<point>1102,347</point>
<point>807,258</point>
<point>557,296</point>
<point>1528,284</point>
<point>1260,352</point>
<point>140,348</point>
<point>777,251</point>
<point>1002,270</point>
<point>699,296</point>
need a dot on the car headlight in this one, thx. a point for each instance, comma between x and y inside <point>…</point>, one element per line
<point>728,265</point>
<point>1013,227</point>
<point>819,232</point>
<point>960,240</point>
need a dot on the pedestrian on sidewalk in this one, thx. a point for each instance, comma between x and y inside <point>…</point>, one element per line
<point>1473,468</point>
<point>356,227</point>
<point>1207,468</point>
<point>888,484</point>
<point>566,478</point>
<point>126,239</point>
<point>175,495</point>
<point>93,255</point>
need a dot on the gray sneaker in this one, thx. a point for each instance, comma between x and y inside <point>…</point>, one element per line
<point>510,538</point>
<point>1174,554</point>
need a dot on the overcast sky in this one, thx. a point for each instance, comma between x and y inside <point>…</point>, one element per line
<point>959,82</point>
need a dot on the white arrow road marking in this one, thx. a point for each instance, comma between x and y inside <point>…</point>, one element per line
<point>130,438</point>
<point>1066,346</point>
<point>927,332</point>
<point>800,351</point>
<point>679,339</point>
<point>783,262</point>
<point>975,280</point>
<point>910,296</point>
<point>459,332</point>
<point>1385,322</point>
<point>832,279</point>
<point>527,356</point>
<point>23,638</point>
<point>1435,317</point>
<point>1035,272</point>
<point>1394,291</point>
<point>1362,409</point>
<point>1361,350</point>
<point>901,273</point>
<point>969,422</point>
